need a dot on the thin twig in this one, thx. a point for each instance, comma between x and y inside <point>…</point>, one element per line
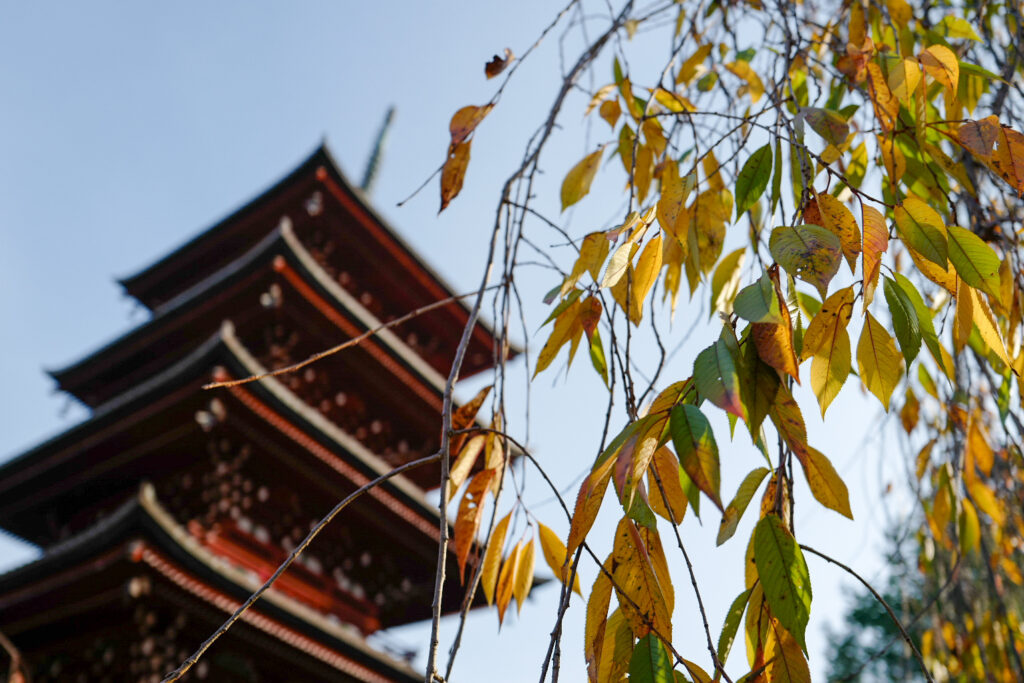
<point>881,600</point>
<point>354,341</point>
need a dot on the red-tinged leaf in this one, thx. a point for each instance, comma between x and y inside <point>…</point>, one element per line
<point>774,341</point>
<point>789,421</point>
<point>837,218</point>
<point>697,450</point>
<point>471,512</point>
<point>492,558</point>
<point>876,242</point>
<point>463,418</point>
<point>597,619</point>
<point>671,506</point>
<point>498,64</point>
<point>714,373</point>
<point>979,137</point>
<point>588,504</point>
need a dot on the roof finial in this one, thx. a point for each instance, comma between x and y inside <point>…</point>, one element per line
<point>374,161</point>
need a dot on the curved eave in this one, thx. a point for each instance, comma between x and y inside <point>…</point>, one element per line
<point>321,167</point>
<point>312,282</point>
<point>291,415</point>
<point>169,550</point>
<point>306,168</point>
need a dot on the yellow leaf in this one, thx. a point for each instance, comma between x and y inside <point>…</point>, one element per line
<point>987,327</point>
<point>577,181</point>
<point>643,171</point>
<point>688,69</point>
<point>825,483</point>
<point>899,11</point>
<point>567,327</point>
<point>941,64</point>
<point>600,96</point>
<point>453,172</point>
<point>837,218</point>
<point>754,86</point>
<point>465,121</point>
<point>507,581</point>
<point>774,341</point>
<point>835,314</point>
<point>641,595</point>
<point>885,103</point>
<point>665,465</point>
<point>492,558</point>
<point>471,512</point>
<point>978,451</point>
<point>463,465</point>
<point>524,575</point>
<point>554,555</point>
<point>616,650</point>
<point>878,360</point>
<point>673,102</point>
<point>597,620</point>
<point>647,268</point>
<point>786,662</point>
<point>830,367</point>
<point>593,251</point>
<point>610,111</point>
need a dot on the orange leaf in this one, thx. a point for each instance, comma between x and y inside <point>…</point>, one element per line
<point>471,512</point>
<point>453,172</point>
<point>507,580</point>
<point>876,242</point>
<point>465,121</point>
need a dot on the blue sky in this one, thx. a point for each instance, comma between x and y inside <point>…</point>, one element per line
<point>126,128</point>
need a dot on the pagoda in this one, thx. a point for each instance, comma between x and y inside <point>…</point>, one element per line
<point>159,514</point>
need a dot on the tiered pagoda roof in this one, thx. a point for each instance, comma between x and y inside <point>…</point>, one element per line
<point>232,480</point>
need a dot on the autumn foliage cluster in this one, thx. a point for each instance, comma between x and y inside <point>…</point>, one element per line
<point>864,161</point>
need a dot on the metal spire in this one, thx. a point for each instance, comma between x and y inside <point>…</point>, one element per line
<point>378,147</point>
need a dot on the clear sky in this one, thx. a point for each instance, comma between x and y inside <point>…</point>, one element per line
<point>126,128</point>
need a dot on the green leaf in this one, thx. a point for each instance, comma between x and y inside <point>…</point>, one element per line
<point>922,229</point>
<point>777,178</point>
<point>905,321</point>
<point>714,374</point>
<point>832,127</point>
<point>597,356</point>
<point>758,303</point>
<point>975,262</point>
<point>732,623</point>
<point>808,252</point>
<point>697,449</point>
<point>650,662</point>
<point>734,512</point>
<point>784,577</point>
<point>924,317</point>
<point>753,179</point>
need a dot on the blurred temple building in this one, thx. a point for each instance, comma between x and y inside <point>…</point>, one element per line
<point>159,514</point>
